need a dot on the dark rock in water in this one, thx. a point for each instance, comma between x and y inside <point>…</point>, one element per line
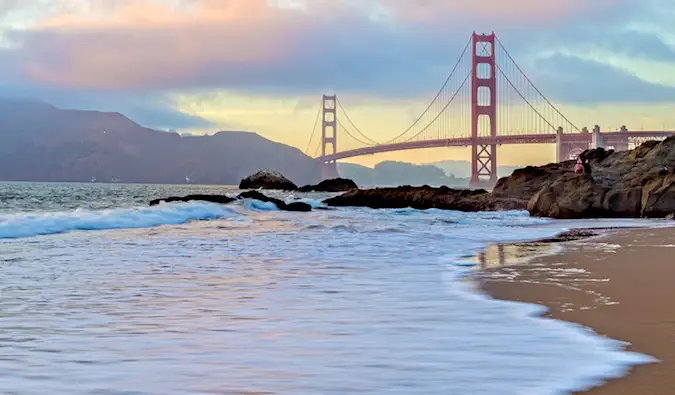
<point>334,185</point>
<point>281,205</point>
<point>296,206</point>
<point>426,197</point>
<point>222,199</point>
<point>267,179</point>
<point>572,235</point>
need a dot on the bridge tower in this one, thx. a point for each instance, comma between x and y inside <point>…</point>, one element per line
<point>483,104</point>
<point>329,136</point>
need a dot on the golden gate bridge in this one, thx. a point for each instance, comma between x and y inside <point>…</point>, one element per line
<point>486,101</point>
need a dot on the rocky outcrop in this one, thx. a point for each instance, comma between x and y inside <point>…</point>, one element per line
<point>334,185</point>
<point>222,199</point>
<point>293,206</point>
<point>267,179</point>
<point>636,183</point>
<point>426,197</point>
<point>570,196</point>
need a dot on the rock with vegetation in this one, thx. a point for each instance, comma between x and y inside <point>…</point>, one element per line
<point>334,185</point>
<point>267,179</point>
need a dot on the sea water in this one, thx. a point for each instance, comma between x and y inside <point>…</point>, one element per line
<point>102,294</point>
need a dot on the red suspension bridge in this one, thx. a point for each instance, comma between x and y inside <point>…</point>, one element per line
<point>486,101</point>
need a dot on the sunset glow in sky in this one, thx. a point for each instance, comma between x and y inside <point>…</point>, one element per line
<point>261,65</point>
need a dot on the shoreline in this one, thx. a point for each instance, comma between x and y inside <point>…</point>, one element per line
<point>591,277</point>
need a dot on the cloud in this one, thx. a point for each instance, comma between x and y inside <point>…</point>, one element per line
<point>150,110</point>
<point>537,13</point>
<point>392,46</point>
<point>164,117</point>
<point>577,80</point>
<point>7,6</point>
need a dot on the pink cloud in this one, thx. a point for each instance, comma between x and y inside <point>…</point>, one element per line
<point>502,11</point>
<point>145,44</point>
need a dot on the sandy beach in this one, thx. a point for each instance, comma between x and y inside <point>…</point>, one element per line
<point>621,285</point>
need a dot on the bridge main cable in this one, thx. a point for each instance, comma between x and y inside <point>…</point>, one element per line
<point>354,126</point>
<point>344,129</point>
<point>531,84</point>
<point>442,110</point>
<point>316,122</point>
<point>434,99</point>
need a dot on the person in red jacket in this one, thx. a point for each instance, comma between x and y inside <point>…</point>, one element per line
<point>579,168</point>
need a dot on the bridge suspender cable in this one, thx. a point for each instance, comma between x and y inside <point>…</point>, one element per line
<point>483,52</point>
<point>316,121</point>
<point>440,112</point>
<point>435,98</point>
<point>354,126</point>
<point>344,129</point>
<point>533,85</point>
<point>524,98</point>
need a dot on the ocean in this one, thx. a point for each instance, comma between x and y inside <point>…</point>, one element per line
<point>101,294</point>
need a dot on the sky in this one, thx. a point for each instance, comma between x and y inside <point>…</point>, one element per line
<point>201,66</point>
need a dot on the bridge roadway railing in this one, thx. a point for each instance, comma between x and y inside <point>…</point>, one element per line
<point>581,139</point>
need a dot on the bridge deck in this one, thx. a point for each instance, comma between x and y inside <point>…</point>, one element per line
<point>546,138</point>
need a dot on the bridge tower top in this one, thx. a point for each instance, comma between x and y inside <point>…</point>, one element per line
<point>329,135</point>
<point>483,106</point>
<point>329,125</point>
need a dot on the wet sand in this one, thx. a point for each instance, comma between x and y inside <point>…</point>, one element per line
<point>621,285</point>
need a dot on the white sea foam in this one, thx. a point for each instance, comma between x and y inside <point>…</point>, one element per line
<point>45,223</point>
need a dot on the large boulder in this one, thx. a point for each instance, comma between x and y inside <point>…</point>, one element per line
<point>524,183</point>
<point>334,185</point>
<point>267,179</point>
<point>426,197</point>
<point>658,197</point>
<point>568,197</point>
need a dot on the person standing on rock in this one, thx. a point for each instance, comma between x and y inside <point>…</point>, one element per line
<point>579,168</point>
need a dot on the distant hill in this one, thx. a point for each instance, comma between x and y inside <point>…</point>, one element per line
<point>390,173</point>
<point>462,168</point>
<point>39,142</point>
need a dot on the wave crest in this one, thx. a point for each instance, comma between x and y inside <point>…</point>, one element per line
<point>47,223</point>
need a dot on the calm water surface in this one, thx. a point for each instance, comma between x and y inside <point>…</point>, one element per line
<point>101,294</point>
